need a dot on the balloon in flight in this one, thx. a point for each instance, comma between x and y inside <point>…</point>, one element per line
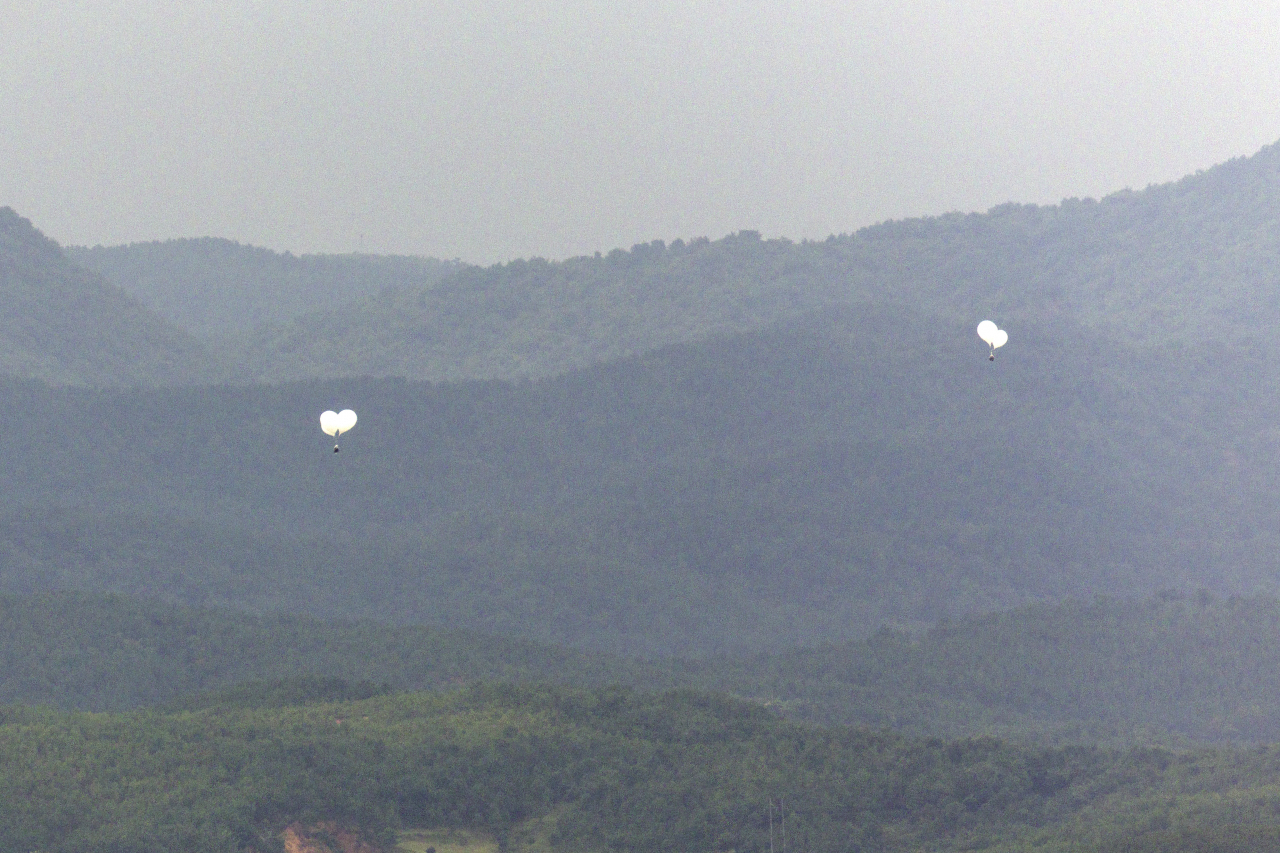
<point>993,336</point>
<point>336,423</point>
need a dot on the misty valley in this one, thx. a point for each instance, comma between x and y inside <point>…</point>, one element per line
<point>721,545</point>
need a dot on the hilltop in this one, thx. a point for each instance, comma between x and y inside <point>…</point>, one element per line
<point>77,651</point>
<point>219,289</point>
<point>1178,263</point>
<point>63,325</point>
<point>843,467</point>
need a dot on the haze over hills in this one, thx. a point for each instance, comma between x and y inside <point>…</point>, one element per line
<point>836,468</point>
<point>1172,670</point>
<point>217,288</point>
<point>107,652</point>
<point>1171,263</point>
<point>801,484</point>
<point>728,450</point>
<point>63,325</point>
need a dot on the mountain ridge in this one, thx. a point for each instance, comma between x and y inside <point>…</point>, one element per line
<point>801,484</point>
<point>1169,264</point>
<point>64,325</point>
<point>1150,267</point>
<point>217,288</point>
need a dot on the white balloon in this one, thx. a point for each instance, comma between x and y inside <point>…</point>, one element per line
<point>987,329</point>
<point>999,339</point>
<point>336,423</point>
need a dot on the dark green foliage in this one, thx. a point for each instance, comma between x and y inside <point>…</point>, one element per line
<point>604,770</point>
<point>86,652</point>
<point>1168,670</point>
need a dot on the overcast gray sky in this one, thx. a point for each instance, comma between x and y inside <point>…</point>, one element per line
<point>493,130</point>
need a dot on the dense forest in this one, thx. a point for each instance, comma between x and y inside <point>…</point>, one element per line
<point>784,472</point>
<point>1170,670</point>
<point>1186,262</point>
<point>543,768</point>
<point>77,651</point>
<point>802,484</point>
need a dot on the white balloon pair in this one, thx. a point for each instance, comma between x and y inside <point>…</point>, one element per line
<point>336,423</point>
<point>994,336</point>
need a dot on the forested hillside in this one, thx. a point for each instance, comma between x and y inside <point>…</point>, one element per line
<point>537,318</point>
<point>1177,263</point>
<point>63,325</point>
<point>76,651</point>
<point>1167,670</point>
<point>539,769</point>
<point>788,468</point>
<point>218,289</point>
<point>803,484</point>
<point>1170,669</point>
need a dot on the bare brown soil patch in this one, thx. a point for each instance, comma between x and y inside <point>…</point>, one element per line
<point>325,838</point>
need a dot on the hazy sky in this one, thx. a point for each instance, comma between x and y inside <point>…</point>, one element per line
<point>493,130</point>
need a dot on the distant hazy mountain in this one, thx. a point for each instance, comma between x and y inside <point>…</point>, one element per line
<point>1169,669</point>
<point>1188,261</point>
<point>64,325</point>
<point>217,288</point>
<point>536,318</point>
<point>803,482</point>
<point>800,484</point>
